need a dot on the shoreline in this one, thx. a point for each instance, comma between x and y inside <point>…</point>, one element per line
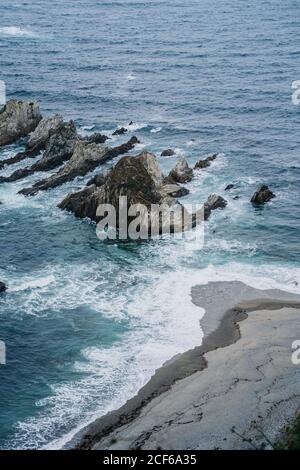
<point>226,305</point>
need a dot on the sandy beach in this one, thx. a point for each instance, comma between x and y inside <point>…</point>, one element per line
<point>236,391</point>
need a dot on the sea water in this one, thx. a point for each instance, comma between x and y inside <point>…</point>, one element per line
<point>87,323</point>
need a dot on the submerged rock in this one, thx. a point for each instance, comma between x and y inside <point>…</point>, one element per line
<point>60,148</point>
<point>3,287</point>
<point>17,120</point>
<point>263,195</point>
<point>86,157</point>
<point>167,153</point>
<point>206,162</point>
<point>229,187</point>
<point>120,131</point>
<point>181,173</point>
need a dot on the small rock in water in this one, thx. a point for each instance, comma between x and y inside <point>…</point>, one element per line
<point>167,153</point>
<point>230,187</point>
<point>264,194</point>
<point>206,162</point>
<point>120,131</point>
<point>3,287</point>
<point>213,202</point>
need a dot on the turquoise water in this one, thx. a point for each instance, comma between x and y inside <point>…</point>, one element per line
<point>86,323</point>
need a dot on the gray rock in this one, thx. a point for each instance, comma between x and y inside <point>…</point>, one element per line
<point>40,136</point>
<point>86,158</point>
<point>213,202</point>
<point>230,187</point>
<point>95,138</point>
<point>263,195</point>
<point>17,120</point>
<point>60,148</point>
<point>37,140</point>
<point>167,153</point>
<point>173,190</point>
<point>206,162</point>
<point>181,173</point>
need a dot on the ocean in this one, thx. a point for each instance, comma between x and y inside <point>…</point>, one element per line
<point>86,323</point>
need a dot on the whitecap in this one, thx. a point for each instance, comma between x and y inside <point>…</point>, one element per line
<point>16,31</point>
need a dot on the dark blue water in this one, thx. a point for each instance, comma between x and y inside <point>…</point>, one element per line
<point>86,324</point>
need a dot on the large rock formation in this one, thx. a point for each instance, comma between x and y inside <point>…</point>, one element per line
<point>17,120</point>
<point>60,148</point>
<point>181,173</point>
<point>86,157</point>
<point>264,194</point>
<point>141,181</point>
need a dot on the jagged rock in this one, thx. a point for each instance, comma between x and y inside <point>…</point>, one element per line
<point>40,136</point>
<point>120,131</point>
<point>173,190</point>
<point>86,157</point>
<point>3,287</point>
<point>97,180</point>
<point>60,148</point>
<point>17,120</point>
<point>167,153</point>
<point>37,141</point>
<point>95,138</point>
<point>206,162</point>
<point>264,194</point>
<point>140,180</point>
<point>181,173</point>
<point>213,202</point>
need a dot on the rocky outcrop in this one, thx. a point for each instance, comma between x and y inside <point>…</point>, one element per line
<point>141,181</point>
<point>181,173</point>
<point>40,136</point>
<point>263,195</point>
<point>3,287</point>
<point>86,158</point>
<point>37,141</point>
<point>206,162</point>
<point>167,153</point>
<point>60,148</point>
<point>213,202</point>
<point>17,120</point>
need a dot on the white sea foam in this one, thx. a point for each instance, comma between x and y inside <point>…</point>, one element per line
<point>131,76</point>
<point>156,130</point>
<point>17,31</point>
